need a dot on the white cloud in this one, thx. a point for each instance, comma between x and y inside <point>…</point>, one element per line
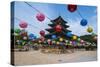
<point>76,28</point>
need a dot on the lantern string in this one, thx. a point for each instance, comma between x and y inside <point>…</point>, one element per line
<point>33,7</point>
<point>40,11</point>
<point>36,9</point>
<point>79,14</point>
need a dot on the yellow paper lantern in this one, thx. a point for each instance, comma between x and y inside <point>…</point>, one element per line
<point>74,37</point>
<point>89,29</point>
<point>57,42</point>
<point>61,39</point>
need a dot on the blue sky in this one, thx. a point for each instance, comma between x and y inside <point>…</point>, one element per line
<point>28,14</point>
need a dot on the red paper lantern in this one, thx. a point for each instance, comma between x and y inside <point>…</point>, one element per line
<point>72,7</point>
<point>42,33</point>
<point>58,28</point>
<point>40,17</point>
<point>23,24</point>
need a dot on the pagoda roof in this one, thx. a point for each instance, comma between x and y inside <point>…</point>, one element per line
<point>59,19</point>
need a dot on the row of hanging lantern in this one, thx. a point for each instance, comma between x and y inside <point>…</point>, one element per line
<point>72,8</point>
<point>83,22</point>
<point>41,17</point>
<point>62,41</point>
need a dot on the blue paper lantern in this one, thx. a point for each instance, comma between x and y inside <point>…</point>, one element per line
<point>69,34</point>
<point>54,36</point>
<point>32,36</point>
<point>83,22</point>
<point>35,37</point>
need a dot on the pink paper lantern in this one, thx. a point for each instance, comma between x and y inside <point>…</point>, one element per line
<point>40,17</point>
<point>82,41</point>
<point>70,42</point>
<point>23,24</point>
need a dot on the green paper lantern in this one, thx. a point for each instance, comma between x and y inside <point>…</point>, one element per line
<point>17,31</point>
<point>78,39</point>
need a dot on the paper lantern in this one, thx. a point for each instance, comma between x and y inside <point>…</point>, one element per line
<point>78,39</point>
<point>17,31</point>
<point>69,34</point>
<point>32,36</point>
<point>48,40</point>
<point>66,41</point>
<point>23,24</point>
<point>17,41</point>
<point>82,41</point>
<point>74,37</point>
<point>89,29</point>
<point>60,39</point>
<point>78,44</point>
<point>39,41</point>
<point>58,43</point>
<point>24,38</point>
<point>74,42</point>
<point>72,8</point>
<point>58,28</point>
<point>42,33</point>
<point>70,42</point>
<point>53,41</point>
<point>40,17</point>
<point>53,36</point>
<point>83,22</point>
